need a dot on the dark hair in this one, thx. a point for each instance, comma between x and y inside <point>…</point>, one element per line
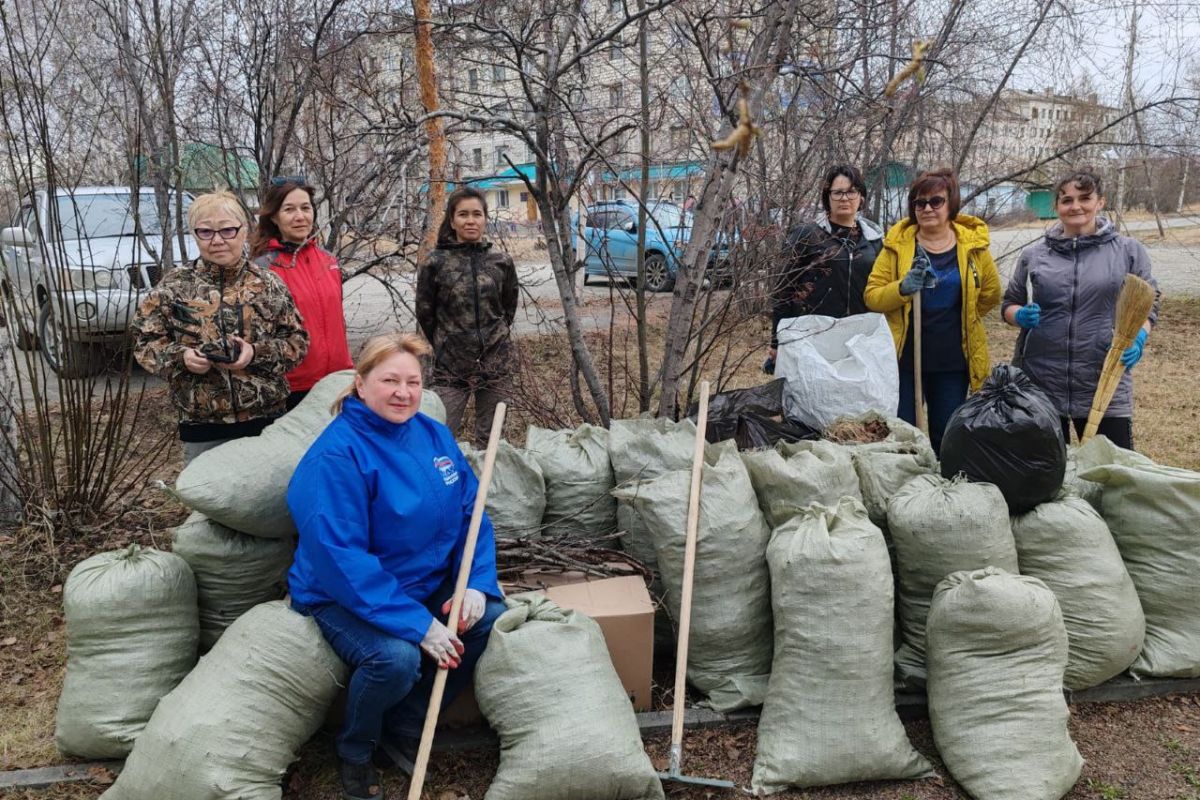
<point>445,232</point>
<point>1085,179</point>
<point>851,174</point>
<point>266,229</point>
<point>928,183</point>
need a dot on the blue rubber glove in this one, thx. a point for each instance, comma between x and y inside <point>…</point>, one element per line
<point>1133,354</point>
<point>1029,316</point>
<point>918,278</point>
<point>768,366</point>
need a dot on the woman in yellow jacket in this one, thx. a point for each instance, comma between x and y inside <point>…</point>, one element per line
<point>944,255</point>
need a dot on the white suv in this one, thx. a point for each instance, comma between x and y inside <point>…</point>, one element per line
<point>75,270</point>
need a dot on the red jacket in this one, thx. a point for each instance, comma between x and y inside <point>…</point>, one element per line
<point>312,275</point>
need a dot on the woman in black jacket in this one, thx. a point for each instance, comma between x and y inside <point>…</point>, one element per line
<point>826,263</point>
<point>467,296</point>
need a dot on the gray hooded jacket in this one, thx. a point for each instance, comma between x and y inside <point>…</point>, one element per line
<point>1076,282</point>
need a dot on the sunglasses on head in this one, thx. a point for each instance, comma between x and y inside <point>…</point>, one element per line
<point>932,202</point>
<point>280,180</point>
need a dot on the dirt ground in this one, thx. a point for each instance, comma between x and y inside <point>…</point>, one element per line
<point>1141,751</point>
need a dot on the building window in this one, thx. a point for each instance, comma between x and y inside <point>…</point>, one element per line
<point>524,197</point>
<point>614,96</point>
<point>497,72</point>
<point>477,157</point>
<point>615,51</point>
<point>616,6</point>
<point>473,79</point>
<point>1034,113</point>
<point>501,152</point>
<point>679,137</point>
<point>502,198</point>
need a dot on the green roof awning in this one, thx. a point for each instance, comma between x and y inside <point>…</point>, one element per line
<point>658,172</point>
<point>506,178</point>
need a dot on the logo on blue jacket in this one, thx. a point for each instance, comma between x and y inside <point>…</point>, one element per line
<point>445,466</point>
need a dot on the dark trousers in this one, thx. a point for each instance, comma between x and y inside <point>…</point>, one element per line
<point>944,393</point>
<point>488,392</point>
<point>392,679</point>
<point>294,399</point>
<point>1119,430</point>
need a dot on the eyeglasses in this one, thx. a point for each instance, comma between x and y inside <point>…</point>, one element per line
<point>843,194</point>
<point>280,180</point>
<point>932,202</point>
<point>205,234</point>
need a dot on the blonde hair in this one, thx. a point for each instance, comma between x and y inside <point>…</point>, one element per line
<point>214,202</point>
<point>375,351</point>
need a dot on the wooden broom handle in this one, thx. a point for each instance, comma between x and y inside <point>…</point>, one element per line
<point>689,573</point>
<point>460,591</point>
<point>918,387</point>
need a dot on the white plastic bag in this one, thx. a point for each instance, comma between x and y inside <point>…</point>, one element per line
<point>837,367</point>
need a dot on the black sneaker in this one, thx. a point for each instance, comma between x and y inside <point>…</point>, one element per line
<point>360,782</point>
<point>398,752</point>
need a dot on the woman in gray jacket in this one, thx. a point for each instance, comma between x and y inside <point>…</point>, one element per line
<point>1063,295</point>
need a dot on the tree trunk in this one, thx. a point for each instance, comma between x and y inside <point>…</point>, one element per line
<point>427,76</point>
<point>764,59</point>
<point>642,334</point>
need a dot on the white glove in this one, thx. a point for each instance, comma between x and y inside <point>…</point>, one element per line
<point>472,609</point>
<point>442,646</point>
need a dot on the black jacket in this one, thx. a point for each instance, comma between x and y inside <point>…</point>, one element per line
<point>824,273</point>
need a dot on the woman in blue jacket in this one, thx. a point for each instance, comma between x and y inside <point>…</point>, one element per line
<point>383,500</point>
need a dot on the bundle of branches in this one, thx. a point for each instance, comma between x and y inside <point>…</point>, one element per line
<point>851,431</point>
<point>519,560</point>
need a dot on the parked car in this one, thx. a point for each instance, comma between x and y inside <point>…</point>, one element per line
<point>73,273</point>
<point>610,243</point>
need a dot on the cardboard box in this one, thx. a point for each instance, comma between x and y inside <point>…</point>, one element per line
<point>623,610</point>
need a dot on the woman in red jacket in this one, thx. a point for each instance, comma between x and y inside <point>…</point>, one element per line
<point>286,242</point>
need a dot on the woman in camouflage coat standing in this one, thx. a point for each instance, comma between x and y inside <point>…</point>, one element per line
<point>221,331</point>
<point>466,303</point>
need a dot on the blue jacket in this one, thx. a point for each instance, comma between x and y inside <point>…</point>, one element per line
<point>383,511</point>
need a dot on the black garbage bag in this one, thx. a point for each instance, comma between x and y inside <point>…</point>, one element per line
<point>752,417</point>
<point>1008,434</point>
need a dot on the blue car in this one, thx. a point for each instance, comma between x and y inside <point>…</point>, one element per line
<point>610,246</point>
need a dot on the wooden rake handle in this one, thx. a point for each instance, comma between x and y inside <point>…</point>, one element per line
<point>460,590</point>
<point>689,573</point>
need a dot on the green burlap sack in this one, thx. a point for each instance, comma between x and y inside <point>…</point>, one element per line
<point>243,484</point>
<point>997,652</point>
<point>516,498</point>
<point>131,637</point>
<point>941,526</point>
<point>1066,545</point>
<point>231,728</point>
<point>547,687</point>
<point>578,479</point>
<point>1153,512</point>
<point>830,714</point>
<point>793,476</point>
<point>641,449</point>
<point>234,572</point>
<point>1077,486</point>
<point>729,658</point>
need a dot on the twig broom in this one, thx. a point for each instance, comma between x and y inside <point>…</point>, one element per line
<point>1133,308</point>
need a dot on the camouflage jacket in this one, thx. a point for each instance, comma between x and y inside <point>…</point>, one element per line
<point>466,303</point>
<point>197,306</point>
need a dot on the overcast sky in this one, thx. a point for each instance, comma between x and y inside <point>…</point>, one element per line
<point>1168,47</point>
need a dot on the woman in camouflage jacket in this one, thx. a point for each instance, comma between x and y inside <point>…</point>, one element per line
<point>221,331</point>
<point>466,303</point>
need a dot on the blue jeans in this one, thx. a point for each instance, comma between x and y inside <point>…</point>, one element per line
<point>392,679</point>
<point>944,393</point>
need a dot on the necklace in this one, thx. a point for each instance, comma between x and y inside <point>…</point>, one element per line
<point>939,245</point>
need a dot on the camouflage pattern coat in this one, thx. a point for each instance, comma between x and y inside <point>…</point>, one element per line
<point>466,302</point>
<point>198,306</point>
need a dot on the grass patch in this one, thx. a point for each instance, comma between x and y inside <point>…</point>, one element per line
<point>1105,791</point>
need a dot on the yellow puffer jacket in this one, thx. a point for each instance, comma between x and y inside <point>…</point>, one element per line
<point>980,282</point>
